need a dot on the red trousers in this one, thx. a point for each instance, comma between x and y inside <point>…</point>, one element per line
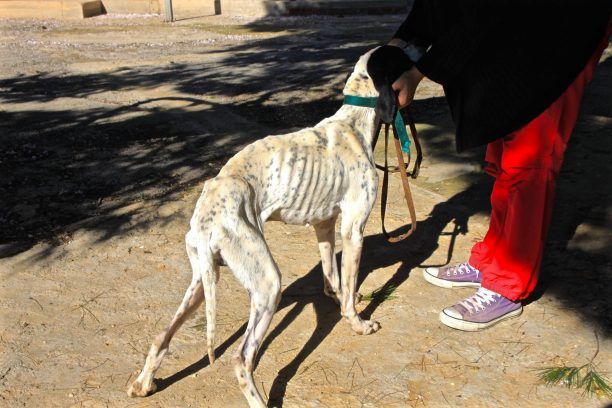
<point>525,165</point>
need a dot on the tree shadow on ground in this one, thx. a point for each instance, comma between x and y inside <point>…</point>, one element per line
<point>71,159</point>
<point>78,157</point>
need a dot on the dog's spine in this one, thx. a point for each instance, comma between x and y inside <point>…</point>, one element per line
<point>209,269</point>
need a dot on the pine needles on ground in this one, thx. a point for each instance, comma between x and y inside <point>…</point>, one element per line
<point>593,382</point>
<point>585,377</point>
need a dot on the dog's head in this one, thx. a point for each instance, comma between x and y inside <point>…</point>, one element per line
<point>374,74</point>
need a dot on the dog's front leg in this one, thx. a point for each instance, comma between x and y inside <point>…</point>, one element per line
<point>326,235</point>
<point>352,243</point>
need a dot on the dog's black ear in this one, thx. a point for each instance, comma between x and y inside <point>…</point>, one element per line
<point>385,65</point>
<point>386,106</point>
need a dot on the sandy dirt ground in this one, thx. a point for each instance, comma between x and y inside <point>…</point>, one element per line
<point>109,126</point>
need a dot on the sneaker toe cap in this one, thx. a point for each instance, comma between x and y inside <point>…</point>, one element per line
<point>452,312</point>
<point>432,271</point>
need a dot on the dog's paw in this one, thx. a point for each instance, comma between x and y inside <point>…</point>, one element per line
<point>366,327</point>
<point>137,389</point>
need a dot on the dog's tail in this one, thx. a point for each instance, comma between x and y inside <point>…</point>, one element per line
<point>210,275</point>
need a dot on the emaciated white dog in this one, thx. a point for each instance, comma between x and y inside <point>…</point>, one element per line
<point>306,177</point>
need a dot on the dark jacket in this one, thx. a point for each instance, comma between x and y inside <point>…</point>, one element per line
<point>503,62</point>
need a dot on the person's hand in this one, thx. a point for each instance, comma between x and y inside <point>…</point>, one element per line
<point>397,42</point>
<point>406,86</point>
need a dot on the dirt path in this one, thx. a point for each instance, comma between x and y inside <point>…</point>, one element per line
<point>109,127</point>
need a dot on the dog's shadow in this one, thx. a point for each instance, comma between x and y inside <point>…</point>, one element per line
<point>377,254</point>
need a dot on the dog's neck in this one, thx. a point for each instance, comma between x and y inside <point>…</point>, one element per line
<point>363,120</point>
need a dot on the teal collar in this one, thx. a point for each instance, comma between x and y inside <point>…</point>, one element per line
<point>398,122</point>
<point>363,101</point>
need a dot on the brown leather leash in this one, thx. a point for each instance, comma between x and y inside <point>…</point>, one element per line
<point>402,167</point>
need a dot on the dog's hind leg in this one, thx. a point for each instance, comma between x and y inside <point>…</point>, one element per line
<point>326,235</point>
<point>194,295</point>
<point>251,261</point>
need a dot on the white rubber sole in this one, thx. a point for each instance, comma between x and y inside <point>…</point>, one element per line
<point>447,284</point>
<point>472,326</point>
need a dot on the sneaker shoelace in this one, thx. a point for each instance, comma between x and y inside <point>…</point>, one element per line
<point>478,301</point>
<point>463,269</point>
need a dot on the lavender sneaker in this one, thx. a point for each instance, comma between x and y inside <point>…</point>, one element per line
<point>479,311</point>
<point>462,275</point>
